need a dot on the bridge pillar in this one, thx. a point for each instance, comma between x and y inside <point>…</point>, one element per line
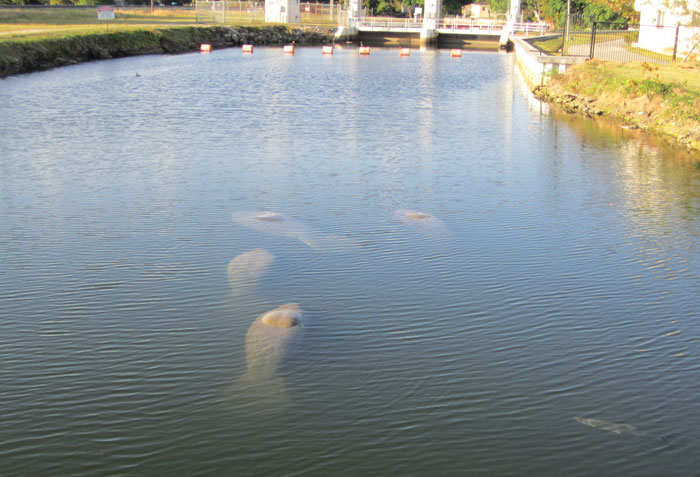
<point>349,31</point>
<point>355,10</point>
<point>432,13</point>
<point>428,37</point>
<point>514,12</point>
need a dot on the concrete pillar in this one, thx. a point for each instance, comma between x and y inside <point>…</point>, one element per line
<point>432,13</point>
<point>428,37</point>
<point>355,10</point>
<point>514,12</point>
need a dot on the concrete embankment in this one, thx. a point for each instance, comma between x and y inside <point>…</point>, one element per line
<point>26,57</point>
<point>538,67</point>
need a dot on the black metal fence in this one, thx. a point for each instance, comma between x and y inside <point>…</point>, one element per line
<point>623,42</point>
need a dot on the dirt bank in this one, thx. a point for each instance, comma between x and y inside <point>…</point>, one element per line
<point>663,100</point>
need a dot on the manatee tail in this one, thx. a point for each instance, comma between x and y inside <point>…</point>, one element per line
<point>267,392</point>
<point>328,243</point>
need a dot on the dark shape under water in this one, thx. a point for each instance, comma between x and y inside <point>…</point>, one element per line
<point>423,222</point>
<point>275,223</point>
<point>616,428</point>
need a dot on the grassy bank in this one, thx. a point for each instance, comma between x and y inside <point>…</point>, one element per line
<point>660,99</point>
<point>41,23</point>
<point>22,56</point>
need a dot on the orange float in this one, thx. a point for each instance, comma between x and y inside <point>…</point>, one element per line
<point>205,48</point>
<point>247,48</point>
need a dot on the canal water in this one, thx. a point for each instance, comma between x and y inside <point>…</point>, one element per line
<point>474,272</point>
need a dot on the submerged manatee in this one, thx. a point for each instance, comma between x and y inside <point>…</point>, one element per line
<point>616,428</point>
<point>267,342</point>
<point>423,222</point>
<point>279,224</point>
<point>247,268</point>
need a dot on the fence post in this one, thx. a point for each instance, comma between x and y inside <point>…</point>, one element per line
<point>564,34</point>
<point>675,43</point>
<point>595,27</point>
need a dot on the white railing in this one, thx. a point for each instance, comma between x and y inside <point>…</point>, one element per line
<point>528,28</point>
<point>471,24</point>
<point>387,23</point>
<point>457,25</point>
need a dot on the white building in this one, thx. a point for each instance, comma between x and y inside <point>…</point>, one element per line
<point>658,20</point>
<point>282,11</point>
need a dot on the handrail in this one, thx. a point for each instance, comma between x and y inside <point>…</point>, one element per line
<point>452,24</point>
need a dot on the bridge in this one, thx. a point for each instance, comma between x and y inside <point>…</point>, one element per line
<point>463,26</point>
<point>454,32</point>
<point>432,29</point>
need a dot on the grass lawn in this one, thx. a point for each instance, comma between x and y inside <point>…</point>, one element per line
<point>29,24</point>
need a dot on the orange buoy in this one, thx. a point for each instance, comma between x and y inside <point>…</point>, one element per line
<point>205,48</point>
<point>456,53</point>
<point>247,48</point>
<point>289,49</point>
<point>404,52</point>
<point>327,50</point>
<point>364,50</point>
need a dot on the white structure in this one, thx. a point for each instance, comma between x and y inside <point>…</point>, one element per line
<point>355,9</point>
<point>514,12</point>
<point>658,19</point>
<point>432,12</point>
<point>282,11</point>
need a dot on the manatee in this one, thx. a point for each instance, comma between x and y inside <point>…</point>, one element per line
<point>423,222</point>
<point>247,268</point>
<point>267,342</point>
<point>616,428</point>
<point>275,223</point>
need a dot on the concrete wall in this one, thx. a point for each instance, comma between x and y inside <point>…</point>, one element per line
<point>538,67</point>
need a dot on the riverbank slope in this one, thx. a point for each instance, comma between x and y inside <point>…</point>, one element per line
<point>17,57</point>
<point>659,99</point>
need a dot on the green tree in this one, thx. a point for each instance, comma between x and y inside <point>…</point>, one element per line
<point>499,6</point>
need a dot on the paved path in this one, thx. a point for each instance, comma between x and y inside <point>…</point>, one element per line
<point>613,50</point>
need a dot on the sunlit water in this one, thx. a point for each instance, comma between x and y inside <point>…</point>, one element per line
<point>557,275</point>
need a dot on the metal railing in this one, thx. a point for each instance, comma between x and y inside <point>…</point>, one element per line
<point>222,11</point>
<point>624,42</point>
<point>387,23</point>
<point>456,25</point>
<point>471,24</point>
<point>529,28</point>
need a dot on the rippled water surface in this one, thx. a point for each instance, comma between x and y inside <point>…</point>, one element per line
<point>555,276</point>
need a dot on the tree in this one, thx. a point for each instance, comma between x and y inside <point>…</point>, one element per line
<point>623,8</point>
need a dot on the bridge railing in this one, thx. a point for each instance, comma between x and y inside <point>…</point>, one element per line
<point>387,23</point>
<point>528,28</point>
<point>461,25</point>
<point>471,24</point>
